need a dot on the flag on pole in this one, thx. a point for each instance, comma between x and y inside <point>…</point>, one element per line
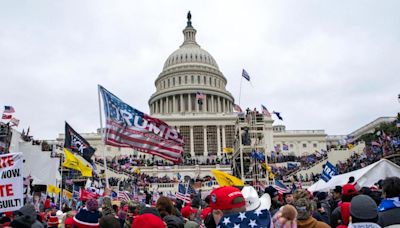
<point>237,108</point>
<point>245,75</point>
<point>129,127</point>
<point>53,189</point>
<point>14,122</point>
<point>76,143</point>
<point>328,172</point>
<point>6,117</point>
<point>200,96</point>
<point>9,109</point>
<point>182,194</point>
<point>123,196</point>
<point>265,111</point>
<point>225,179</point>
<point>281,187</point>
<point>73,162</point>
<point>278,114</point>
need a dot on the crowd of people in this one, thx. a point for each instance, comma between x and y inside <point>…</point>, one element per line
<point>345,206</point>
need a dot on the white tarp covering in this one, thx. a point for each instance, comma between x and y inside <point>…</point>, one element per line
<point>42,168</point>
<point>365,177</point>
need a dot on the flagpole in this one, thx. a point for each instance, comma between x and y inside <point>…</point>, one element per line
<point>102,139</point>
<point>240,89</point>
<point>61,187</point>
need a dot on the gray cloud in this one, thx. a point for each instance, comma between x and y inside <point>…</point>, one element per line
<point>324,65</point>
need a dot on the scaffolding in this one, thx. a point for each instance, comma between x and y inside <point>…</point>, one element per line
<point>251,135</point>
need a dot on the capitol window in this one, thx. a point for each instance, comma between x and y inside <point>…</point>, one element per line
<point>173,81</point>
<point>315,145</point>
<point>210,80</point>
<point>192,79</point>
<point>169,82</point>
<point>186,79</point>
<point>291,145</point>
<point>198,79</point>
<point>304,145</point>
<point>179,80</point>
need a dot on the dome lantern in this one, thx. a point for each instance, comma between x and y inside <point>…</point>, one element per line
<point>189,32</point>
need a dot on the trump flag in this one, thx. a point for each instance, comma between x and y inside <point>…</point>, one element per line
<point>129,127</point>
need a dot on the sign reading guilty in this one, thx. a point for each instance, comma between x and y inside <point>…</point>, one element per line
<point>11,182</point>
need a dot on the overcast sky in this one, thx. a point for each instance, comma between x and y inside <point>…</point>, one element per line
<point>331,65</point>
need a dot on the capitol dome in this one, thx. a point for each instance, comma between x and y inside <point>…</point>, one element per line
<point>187,73</point>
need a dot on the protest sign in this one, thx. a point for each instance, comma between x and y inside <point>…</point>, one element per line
<point>11,182</point>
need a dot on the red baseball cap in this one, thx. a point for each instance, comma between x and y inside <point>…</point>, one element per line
<point>349,189</point>
<point>225,198</point>
<point>187,210</point>
<point>205,212</point>
<point>148,221</point>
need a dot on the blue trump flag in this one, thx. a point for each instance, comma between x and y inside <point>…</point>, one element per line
<point>328,172</point>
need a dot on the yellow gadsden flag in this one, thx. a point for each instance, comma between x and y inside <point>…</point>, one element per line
<point>228,150</point>
<point>73,162</point>
<point>67,194</point>
<point>53,189</point>
<point>225,179</point>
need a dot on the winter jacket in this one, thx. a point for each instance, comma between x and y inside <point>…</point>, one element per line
<point>311,223</point>
<point>389,217</point>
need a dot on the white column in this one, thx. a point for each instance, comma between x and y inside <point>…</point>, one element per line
<point>191,142</point>
<point>205,103</point>
<point>218,141</point>
<point>174,109</point>
<point>205,140</point>
<point>167,105</point>
<point>223,137</point>
<point>218,104</point>
<point>161,105</point>
<point>189,102</point>
<point>182,105</point>
<point>212,104</point>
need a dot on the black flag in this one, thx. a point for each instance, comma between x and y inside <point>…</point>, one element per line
<point>76,143</point>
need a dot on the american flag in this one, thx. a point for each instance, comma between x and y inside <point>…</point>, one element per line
<point>237,108</point>
<point>184,193</point>
<point>200,96</point>
<point>123,196</point>
<point>129,127</point>
<point>9,109</point>
<point>245,75</point>
<point>265,111</point>
<point>281,187</point>
<point>246,219</point>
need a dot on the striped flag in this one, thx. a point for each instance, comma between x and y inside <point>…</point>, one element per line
<point>14,122</point>
<point>129,127</point>
<point>264,110</point>
<point>123,196</point>
<point>281,187</point>
<point>245,75</point>
<point>9,109</point>
<point>200,96</point>
<point>237,108</point>
<point>182,194</point>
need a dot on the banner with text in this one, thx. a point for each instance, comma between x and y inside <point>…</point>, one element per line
<point>11,182</point>
<point>328,172</point>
